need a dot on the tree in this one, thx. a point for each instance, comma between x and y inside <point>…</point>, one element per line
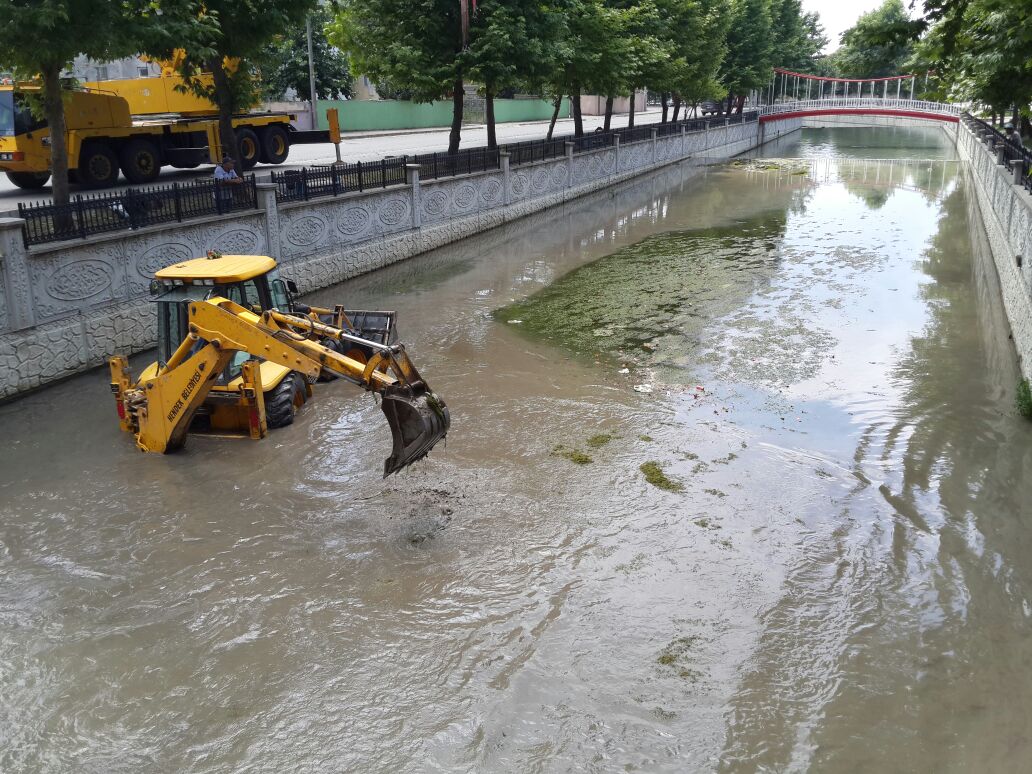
<point>697,32</point>
<point>513,44</point>
<point>412,46</point>
<point>750,49</point>
<point>285,62</point>
<point>877,45</point>
<point>229,50</point>
<point>798,37</point>
<point>41,38</point>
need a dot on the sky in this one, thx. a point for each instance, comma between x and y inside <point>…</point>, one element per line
<point>839,15</point>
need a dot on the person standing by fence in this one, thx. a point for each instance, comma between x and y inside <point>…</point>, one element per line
<point>225,178</point>
<point>1011,132</point>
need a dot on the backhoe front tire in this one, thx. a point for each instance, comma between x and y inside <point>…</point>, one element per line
<point>282,401</point>
<point>326,375</point>
<point>30,181</point>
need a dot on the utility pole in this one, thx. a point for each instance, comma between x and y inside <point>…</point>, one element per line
<point>311,75</point>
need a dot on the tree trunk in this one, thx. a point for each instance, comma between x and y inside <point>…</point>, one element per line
<point>630,112</point>
<point>730,102</point>
<point>458,99</point>
<point>677,105</point>
<point>740,106</point>
<point>663,102</point>
<point>555,115</point>
<point>224,100</point>
<point>609,114</point>
<point>578,119</point>
<point>53,109</point>
<point>492,140</point>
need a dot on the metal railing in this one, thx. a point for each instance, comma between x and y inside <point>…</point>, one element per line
<point>1015,155</point>
<point>302,184</point>
<point>466,162</point>
<point>312,182</point>
<point>867,103</point>
<point>133,208</point>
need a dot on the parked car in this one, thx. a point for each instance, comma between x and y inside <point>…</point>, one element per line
<point>709,108</point>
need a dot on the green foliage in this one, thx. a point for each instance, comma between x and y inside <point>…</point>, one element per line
<point>1024,399</point>
<point>877,45</point>
<point>750,47</point>
<point>284,62</point>
<point>414,46</point>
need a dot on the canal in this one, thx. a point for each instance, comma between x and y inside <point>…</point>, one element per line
<point>826,567</point>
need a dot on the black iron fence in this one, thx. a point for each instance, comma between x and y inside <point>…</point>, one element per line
<point>308,182</point>
<point>133,208</point>
<point>313,182</point>
<point>1014,153</point>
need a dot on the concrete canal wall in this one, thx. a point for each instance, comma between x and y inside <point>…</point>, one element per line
<point>66,307</point>
<point>1006,210</point>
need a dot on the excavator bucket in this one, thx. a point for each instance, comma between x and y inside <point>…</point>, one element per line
<point>418,420</point>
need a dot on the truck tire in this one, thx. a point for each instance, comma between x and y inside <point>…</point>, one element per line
<point>141,161</point>
<point>30,181</point>
<point>282,400</point>
<point>275,145</point>
<point>250,148</point>
<point>98,166</point>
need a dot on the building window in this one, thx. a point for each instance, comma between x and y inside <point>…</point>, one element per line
<point>143,71</point>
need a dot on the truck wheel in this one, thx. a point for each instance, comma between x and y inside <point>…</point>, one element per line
<point>141,162</point>
<point>98,166</point>
<point>282,401</point>
<point>31,181</point>
<point>275,145</point>
<point>250,149</point>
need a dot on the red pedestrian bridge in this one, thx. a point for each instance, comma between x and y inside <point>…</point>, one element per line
<point>799,95</point>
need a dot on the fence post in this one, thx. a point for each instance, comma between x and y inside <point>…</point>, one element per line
<point>684,138</point>
<point>304,182</point>
<point>335,179</point>
<point>412,177</point>
<point>14,259</point>
<point>569,146</point>
<point>133,211</point>
<point>1018,170</point>
<point>359,165</point>
<point>81,216</point>
<point>266,197</point>
<point>655,142</point>
<point>1001,154</point>
<point>179,203</point>
<point>503,160</point>
<point>616,147</point>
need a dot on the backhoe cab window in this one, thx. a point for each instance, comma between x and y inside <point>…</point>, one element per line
<point>278,290</point>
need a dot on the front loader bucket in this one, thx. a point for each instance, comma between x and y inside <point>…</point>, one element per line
<point>418,420</point>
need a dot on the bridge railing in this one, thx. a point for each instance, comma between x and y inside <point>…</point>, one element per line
<point>1017,157</point>
<point>861,103</point>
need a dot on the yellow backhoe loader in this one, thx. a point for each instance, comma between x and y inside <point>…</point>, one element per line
<point>237,353</point>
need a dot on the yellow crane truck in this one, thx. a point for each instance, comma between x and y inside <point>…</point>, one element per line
<point>237,354</point>
<point>137,126</point>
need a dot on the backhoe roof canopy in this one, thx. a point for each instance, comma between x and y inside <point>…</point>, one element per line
<point>221,270</point>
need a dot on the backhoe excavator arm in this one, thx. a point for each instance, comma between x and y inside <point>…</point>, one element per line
<point>159,409</point>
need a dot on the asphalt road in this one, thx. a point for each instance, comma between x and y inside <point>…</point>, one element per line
<point>366,146</point>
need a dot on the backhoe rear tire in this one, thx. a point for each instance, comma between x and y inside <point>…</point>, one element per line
<point>282,401</point>
<point>30,181</point>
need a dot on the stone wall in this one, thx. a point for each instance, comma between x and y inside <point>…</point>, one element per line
<point>1006,210</point>
<point>66,307</point>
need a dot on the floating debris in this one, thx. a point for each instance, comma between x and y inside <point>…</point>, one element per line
<point>515,322</point>
<point>654,475</point>
<point>646,388</point>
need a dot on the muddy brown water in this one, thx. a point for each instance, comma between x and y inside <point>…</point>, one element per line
<point>842,584</point>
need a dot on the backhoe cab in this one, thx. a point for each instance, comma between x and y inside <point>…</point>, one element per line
<point>237,353</point>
